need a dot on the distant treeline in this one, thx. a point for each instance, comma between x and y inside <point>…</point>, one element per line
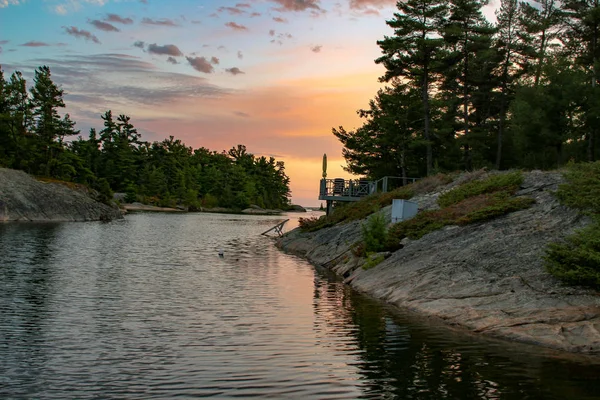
<point>464,93</point>
<point>33,138</point>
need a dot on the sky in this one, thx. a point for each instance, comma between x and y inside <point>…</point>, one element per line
<point>273,75</point>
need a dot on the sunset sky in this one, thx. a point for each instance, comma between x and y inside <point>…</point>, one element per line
<point>274,75</point>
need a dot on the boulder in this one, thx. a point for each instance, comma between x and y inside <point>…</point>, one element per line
<point>23,198</point>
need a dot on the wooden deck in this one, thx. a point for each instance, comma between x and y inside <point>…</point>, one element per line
<point>345,190</point>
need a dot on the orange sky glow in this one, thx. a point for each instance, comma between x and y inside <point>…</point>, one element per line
<point>274,75</point>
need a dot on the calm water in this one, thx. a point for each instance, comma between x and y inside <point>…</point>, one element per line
<point>145,308</point>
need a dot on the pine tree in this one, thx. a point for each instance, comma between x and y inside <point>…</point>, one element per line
<point>412,54</point>
<point>468,36</point>
<point>582,40</point>
<point>513,44</point>
<point>46,99</point>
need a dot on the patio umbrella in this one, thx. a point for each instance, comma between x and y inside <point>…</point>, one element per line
<point>324,165</point>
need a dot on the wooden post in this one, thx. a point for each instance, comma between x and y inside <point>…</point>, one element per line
<point>329,204</point>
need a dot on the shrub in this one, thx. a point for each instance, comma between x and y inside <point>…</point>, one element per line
<point>130,193</point>
<point>373,260</point>
<point>374,233</point>
<point>500,182</point>
<point>306,224</point>
<point>577,260</point>
<point>105,193</point>
<point>583,188</point>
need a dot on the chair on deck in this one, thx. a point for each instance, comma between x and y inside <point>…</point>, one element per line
<point>338,186</point>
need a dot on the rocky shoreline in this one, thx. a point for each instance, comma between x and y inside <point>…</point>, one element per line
<point>487,277</point>
<point>23,198</point>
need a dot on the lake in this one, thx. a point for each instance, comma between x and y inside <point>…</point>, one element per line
<point>146,308</point>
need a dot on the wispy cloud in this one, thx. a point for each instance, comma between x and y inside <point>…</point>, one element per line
<point>160,22</point>
<point>297,5</point>
<point>316,49</point>
<point>103,26</point>
<point>240,55</point>
<point>81,33</point>
<point>201,64</point>
<point>231,10</point>
<point>107,80</point>
<point>214,61</point>
<point>280,20</point>
<point>34,43</point>
<point>118,19</point>
<point>172,60</point>
<point>234,71</point>
<point>167,49</point>
<point>361,4</point>
<point>140,44</point>
<point>236,26</point>
<point>6,3</point>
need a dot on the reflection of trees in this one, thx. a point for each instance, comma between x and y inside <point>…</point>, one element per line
<point>398,358</point>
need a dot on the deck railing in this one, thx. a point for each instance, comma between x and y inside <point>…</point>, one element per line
<point>346,187</point>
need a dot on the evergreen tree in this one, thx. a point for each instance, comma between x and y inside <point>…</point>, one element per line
<point>387,143</point>
<point>582,40</point>
<point>46,99</point>
<point>468,40</point>
<point>412,53</point>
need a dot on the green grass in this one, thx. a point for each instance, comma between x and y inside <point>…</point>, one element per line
<point>576,260</point>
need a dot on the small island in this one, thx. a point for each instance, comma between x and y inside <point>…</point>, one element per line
<point>159,176</point>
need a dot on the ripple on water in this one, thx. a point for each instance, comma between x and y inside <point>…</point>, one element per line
<point>145,308</point>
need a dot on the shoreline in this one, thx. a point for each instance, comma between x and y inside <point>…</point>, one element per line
<point>486,278</point>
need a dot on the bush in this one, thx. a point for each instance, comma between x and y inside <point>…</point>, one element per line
<point>501,182</point>
<point>373,260</point>
<point>577,261</point>
<point>105,194</point>
<point>583,188</point>
<point>374,233</point>
<point>130,193</point>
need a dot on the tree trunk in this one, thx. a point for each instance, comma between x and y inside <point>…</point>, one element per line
<point>425,94</point>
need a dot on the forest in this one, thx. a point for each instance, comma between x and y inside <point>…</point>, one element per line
<point>36,139</point>
<point>462,93</point>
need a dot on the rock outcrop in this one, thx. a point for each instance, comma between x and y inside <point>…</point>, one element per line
<point>486,277</point>
<point>22,198</point>
<point>256,210</point>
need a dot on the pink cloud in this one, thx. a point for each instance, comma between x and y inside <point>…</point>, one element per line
<point>236,26</point>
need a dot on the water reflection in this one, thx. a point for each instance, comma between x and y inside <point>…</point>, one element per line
<point>403,356</point>
<point>146,308</point>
